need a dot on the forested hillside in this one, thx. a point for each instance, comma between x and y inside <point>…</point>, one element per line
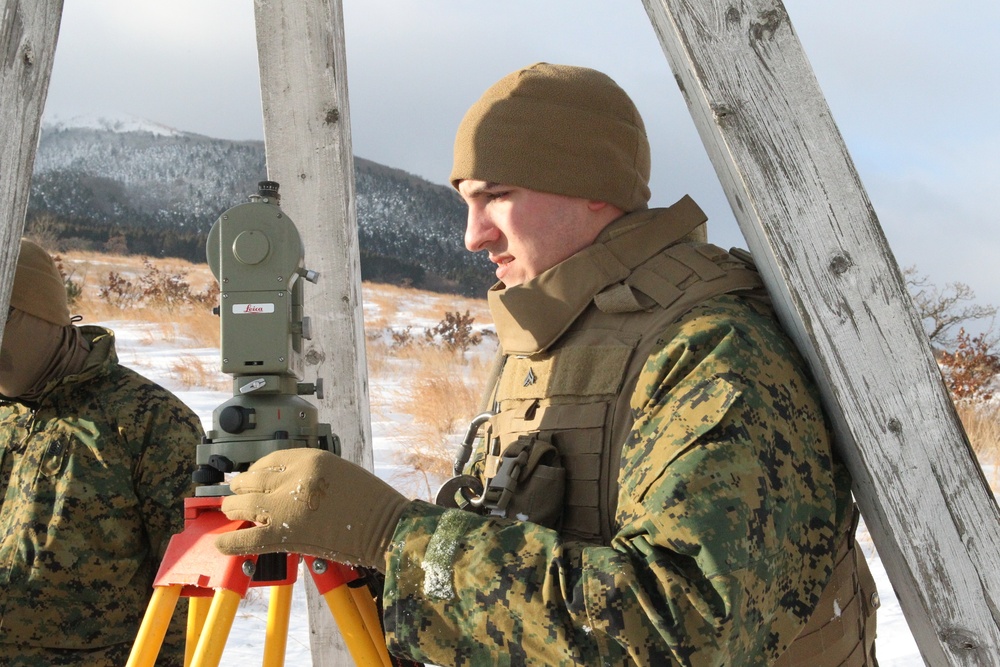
<point>149,190</point>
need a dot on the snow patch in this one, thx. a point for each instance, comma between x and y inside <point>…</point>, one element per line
<point>114,123</point>
<point>439,559</point>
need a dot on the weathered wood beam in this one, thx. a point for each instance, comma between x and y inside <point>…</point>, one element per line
<point>28,34</point>
<point>307,136</point>
<point>808,221</point>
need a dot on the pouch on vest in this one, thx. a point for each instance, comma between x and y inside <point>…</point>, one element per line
<point>529,483</point>
<point>841,630</point>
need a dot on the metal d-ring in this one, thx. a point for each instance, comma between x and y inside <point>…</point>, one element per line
<point>468,487</point>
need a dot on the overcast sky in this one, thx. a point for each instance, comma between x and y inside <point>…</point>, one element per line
<point>913,86</point>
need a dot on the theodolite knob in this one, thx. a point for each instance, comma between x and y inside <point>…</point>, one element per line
<point>236,419</point>
<point>207,475</point>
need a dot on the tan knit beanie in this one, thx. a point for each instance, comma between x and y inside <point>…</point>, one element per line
<point>560,129</point>
<point>39,289</point>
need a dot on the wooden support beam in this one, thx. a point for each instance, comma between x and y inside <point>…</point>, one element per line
<point>28,34</point>
<point>307,136</point>
<point>809,223</point>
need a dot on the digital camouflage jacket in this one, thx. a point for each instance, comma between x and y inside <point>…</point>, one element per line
<point>728,503</point>
<point>93,479</point>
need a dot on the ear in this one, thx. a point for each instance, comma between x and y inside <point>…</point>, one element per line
<point>594,205</point>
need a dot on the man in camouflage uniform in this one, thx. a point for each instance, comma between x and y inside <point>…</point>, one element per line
<point>654,482</point>
<point>95,462</point>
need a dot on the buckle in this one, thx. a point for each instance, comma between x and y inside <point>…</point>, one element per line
<point>500,489</point>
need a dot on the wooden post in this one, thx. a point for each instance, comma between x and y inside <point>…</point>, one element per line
<point>811,228</point>
<point>28,34</point>
<point>307,135</point>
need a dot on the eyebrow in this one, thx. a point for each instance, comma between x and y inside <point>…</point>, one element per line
<point>480,189</point>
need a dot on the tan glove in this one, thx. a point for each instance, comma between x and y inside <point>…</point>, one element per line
<point>315,503</point>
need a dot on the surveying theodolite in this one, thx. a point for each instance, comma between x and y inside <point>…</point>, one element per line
<point>256,254</point>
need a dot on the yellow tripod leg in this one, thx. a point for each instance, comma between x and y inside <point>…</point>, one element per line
<point>279,610</point>
<point>197,614</point>
<point>154,626</point>
<point>217,626</point>
<point>352,627</point>
<point>369,616</point>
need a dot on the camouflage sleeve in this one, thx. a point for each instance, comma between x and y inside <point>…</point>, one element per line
<point>724,527</point>
<point>165,433</point>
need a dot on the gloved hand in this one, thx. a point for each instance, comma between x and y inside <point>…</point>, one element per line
<point>312,502</point>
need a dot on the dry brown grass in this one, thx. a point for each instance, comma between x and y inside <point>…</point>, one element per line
<point>381,305</point>
<point>195,325</point>
<point>441,395</point>
<point>391,334</point>
<point>90,270</point>
<point>377,355</point>
<point>386,298</point>
<point>190,372</point>
<point>982,426</point>
<point>383,302</point>
<point>434,308</point>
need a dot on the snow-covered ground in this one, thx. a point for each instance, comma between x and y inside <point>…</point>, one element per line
<point>895,645</point>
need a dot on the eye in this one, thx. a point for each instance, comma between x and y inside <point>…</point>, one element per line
<point>496,194</point>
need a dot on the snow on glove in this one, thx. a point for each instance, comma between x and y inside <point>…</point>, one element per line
<point>312,502</point>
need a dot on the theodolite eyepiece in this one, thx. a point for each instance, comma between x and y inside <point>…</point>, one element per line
<point>269,190</point>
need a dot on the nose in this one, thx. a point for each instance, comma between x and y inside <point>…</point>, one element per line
<point>479,230</point>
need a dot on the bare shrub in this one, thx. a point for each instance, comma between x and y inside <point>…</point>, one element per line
<point>120,292</point>
<point>123,296</point>
<point>402,337</point>
<point>970,370</point>
<point>942,309</point>
<point>164,290</point>
<point>156,288</point>
<point>970,374</point>
<point>455,332</point>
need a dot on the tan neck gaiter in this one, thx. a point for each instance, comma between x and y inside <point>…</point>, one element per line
<point>35,352</point>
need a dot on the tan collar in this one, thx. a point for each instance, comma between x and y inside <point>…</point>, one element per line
<point>532,316</point>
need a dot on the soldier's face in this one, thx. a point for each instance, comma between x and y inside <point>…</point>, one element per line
<point>524,231</point>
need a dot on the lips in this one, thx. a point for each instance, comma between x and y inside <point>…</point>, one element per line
<point>502,263</point>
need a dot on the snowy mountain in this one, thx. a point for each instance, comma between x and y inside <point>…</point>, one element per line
<point>121,123</point>
<point>134,185</point>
